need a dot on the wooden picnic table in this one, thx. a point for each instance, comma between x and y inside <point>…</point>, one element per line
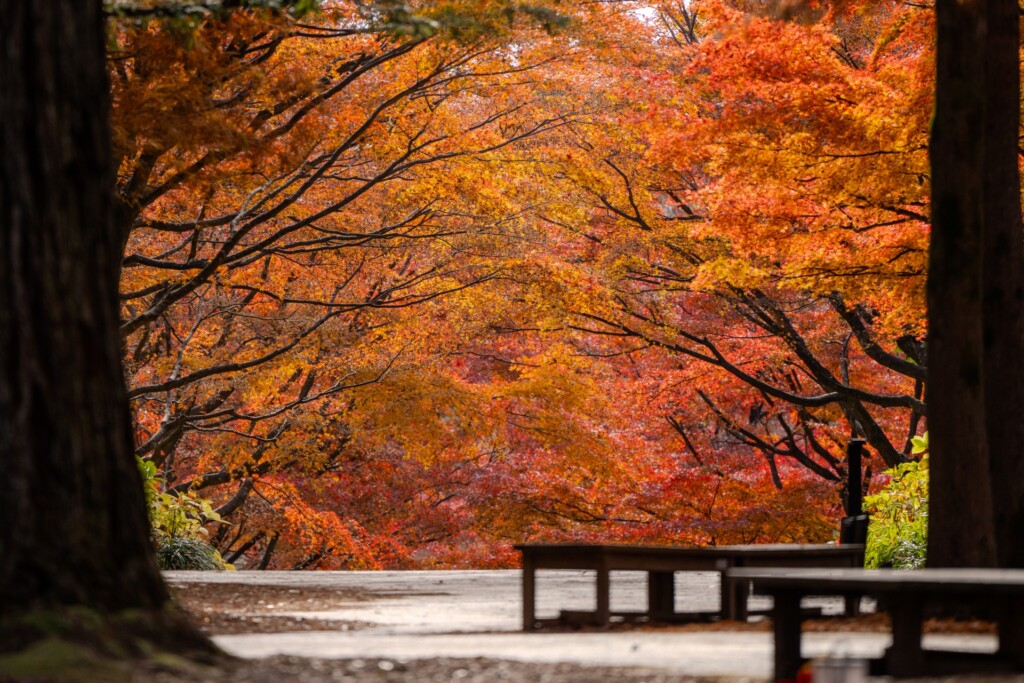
<point>904,594</point>
<point>661,563</point>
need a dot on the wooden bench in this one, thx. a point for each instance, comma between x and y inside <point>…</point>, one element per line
<point>661,563</point>
<point>904,594</point>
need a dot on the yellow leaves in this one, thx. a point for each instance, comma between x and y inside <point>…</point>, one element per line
<point>426,415</point>
<point>725,272</point>
<point>555,376</point>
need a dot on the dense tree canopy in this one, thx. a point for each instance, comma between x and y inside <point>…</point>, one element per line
<point>402,285</point>
<point>404,297</point>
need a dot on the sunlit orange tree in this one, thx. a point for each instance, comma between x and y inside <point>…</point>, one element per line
<point>755,227</point>
<point>403,289</point>
<point>292,191</point>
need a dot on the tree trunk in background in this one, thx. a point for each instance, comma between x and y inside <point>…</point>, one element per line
<point>975,293</point>
<point>74,530</point>
<point>1003,282</point>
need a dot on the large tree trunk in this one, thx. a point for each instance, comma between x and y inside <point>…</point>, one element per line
<point>1003,281</point>
<point>975,291</point>
<point>961,531</point>
<point>74,530</point>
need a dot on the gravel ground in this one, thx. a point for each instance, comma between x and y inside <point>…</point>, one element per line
<point>220,609</point>
<point>297,670</point>
<point>440,670</point>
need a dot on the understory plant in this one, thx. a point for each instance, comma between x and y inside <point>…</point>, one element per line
<point>898,531</point>
<point>177,525</point>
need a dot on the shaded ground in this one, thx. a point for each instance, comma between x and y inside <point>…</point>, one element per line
<point>437,670</point>
<point>242,605</point>
<point>227,609</point>
<point>298,670</point>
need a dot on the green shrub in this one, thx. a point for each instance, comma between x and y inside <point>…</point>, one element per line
<point>898,531</point>
<point>186,552</point>
<point>176,522</point>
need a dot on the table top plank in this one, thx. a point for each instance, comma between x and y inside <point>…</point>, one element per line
<point>964,582</point>
<point>686,558</point>
<point>752,550</point>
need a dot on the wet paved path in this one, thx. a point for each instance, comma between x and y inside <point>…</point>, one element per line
<point>422,614</point>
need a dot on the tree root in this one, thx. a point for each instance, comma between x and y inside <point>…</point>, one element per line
<point>79,644</point>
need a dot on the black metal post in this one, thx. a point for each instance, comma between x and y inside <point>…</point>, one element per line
<point>854,485</point>
<point>854,527</point>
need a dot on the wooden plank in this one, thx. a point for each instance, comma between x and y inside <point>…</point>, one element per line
<point>1011,631</point>
<point>906,593</point>
<point>733,594</point>
<point>529,595</point>
<point>722,550</point>
<point>786,618</point>
<point>661,595</point>
<point>663,560</point>
<point>905,658</point>
<point>941,582</point>
<point>603,612</point>
<point>777,550</point>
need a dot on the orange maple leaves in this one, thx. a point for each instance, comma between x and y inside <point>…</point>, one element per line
<point>416,299</point>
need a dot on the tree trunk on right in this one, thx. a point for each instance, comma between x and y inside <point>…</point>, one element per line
<point>976,291</point>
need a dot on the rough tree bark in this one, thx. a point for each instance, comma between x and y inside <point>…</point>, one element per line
<point>1003,281</point>
<point>74,531</point>
<point>976,291</point>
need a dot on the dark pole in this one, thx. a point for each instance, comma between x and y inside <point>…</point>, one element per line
<point>854,487</point>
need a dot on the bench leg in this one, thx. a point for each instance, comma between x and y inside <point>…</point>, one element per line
<point>732,593</point>
<point>786,618</point>
<point>661,595</point>
<point>529,594</point>
<point>851,605</point>
<point>734,596</point>
<point>1011,633</point>
<point>739,594</point>
<point>905,658</point>
<point>603,613</point>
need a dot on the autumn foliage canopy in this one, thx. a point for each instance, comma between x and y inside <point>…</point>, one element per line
<point>405,285</point>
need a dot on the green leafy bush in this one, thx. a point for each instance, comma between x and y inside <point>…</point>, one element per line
<point>186,552</point>
<point>898,531</point>
<point>176,522</point>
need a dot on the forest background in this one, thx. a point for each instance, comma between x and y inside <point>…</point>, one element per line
<point>403,291</point>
